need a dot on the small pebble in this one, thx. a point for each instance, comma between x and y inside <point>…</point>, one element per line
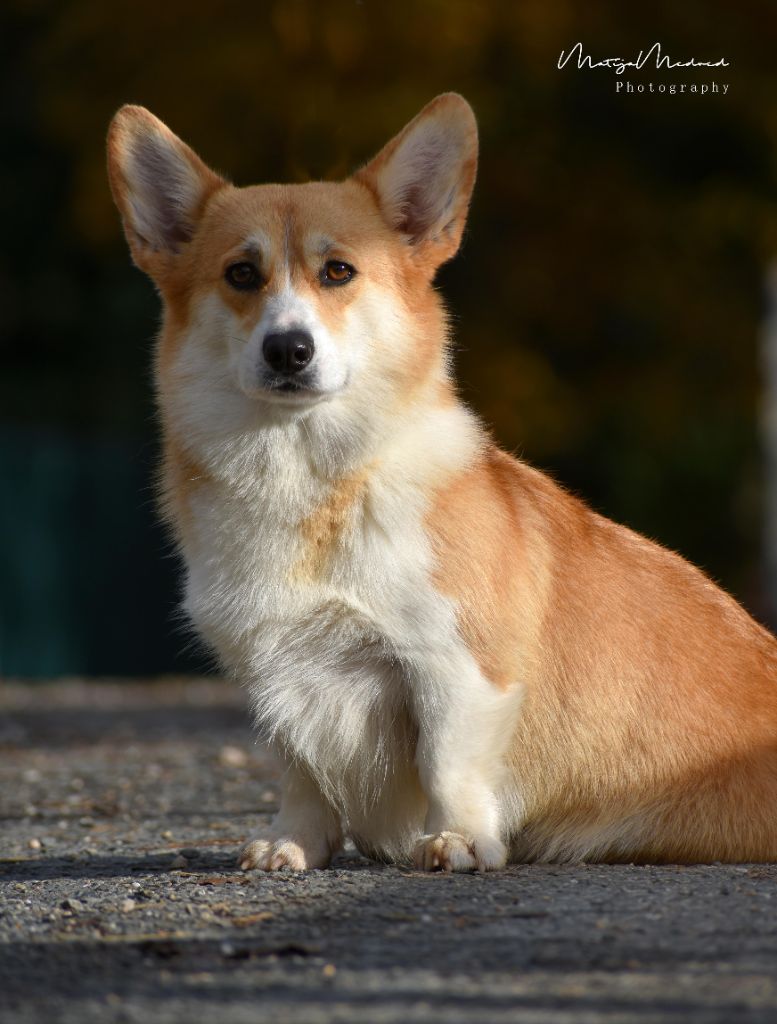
<point>34,844</point>
<point>233,756</point>
<point>127,906</point>
<point>167,834</point>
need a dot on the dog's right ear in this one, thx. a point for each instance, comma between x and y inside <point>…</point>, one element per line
<point>160,186</point>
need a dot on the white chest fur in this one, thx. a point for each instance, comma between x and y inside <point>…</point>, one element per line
<point>318,596</point>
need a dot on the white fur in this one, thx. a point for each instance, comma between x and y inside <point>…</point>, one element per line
<point>358,678</point>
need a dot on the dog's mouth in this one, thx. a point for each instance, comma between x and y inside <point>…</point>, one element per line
<point>292,388</point>
<point>293,391</point>
<point>296,391</point>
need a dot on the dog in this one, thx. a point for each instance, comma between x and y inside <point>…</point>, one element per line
<point>456,661</point>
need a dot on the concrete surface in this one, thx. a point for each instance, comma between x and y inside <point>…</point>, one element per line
<point>122,807</point>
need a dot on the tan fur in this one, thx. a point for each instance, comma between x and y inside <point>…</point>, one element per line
<point>181,477</point>
<point>449,651</point>
<point>321,529</point>
<point>484,570</point>
<point>651,694</point>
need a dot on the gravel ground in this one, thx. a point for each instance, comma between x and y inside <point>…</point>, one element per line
<point>122,808</point>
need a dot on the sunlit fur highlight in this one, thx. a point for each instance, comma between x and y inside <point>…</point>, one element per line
<point>455,660</point>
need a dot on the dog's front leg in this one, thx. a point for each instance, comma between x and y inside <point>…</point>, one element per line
<point>464,732</point>
<point>304,834</point>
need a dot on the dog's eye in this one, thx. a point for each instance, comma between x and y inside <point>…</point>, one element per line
<point>244,276</point>
<point>336,272</point>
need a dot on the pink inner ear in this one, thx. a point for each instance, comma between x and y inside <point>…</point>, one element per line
<point>159,195</point>
<point>415,215</point>
<point>422,181</point>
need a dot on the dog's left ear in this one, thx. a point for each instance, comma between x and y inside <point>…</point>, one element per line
<point>423,178</point>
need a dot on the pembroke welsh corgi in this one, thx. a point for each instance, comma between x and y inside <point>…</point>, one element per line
<point>456,661</point>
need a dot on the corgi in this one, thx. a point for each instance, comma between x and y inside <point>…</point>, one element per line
<point>457,662</point>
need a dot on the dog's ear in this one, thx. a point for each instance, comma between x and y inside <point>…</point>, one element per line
<point>159,184</point>
<point>423,178</point>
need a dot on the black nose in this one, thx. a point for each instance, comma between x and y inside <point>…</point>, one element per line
<point>288,351</point>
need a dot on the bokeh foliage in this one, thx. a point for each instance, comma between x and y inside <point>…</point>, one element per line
<point>606,303</point>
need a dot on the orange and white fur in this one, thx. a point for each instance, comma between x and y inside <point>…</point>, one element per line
<point>456,661</point>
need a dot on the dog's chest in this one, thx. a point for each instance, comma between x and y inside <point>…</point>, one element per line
<point>325,612</point>
<point>277,577</point>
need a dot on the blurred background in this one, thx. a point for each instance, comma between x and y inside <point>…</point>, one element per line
<point>608,301</point>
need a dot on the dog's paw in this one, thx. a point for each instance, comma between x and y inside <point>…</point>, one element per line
<point>285,852</point>
<point>445,851</point>
<point>449,851</point>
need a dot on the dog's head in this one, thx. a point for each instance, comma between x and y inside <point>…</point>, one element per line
<point>282,299</point>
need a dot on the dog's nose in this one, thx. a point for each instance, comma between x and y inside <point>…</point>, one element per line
<point>288,351</point>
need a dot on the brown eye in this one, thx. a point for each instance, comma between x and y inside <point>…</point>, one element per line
<point>244,276</point>
<point>336,272</point>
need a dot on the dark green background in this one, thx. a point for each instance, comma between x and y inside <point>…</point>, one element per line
<point>607,300</point>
